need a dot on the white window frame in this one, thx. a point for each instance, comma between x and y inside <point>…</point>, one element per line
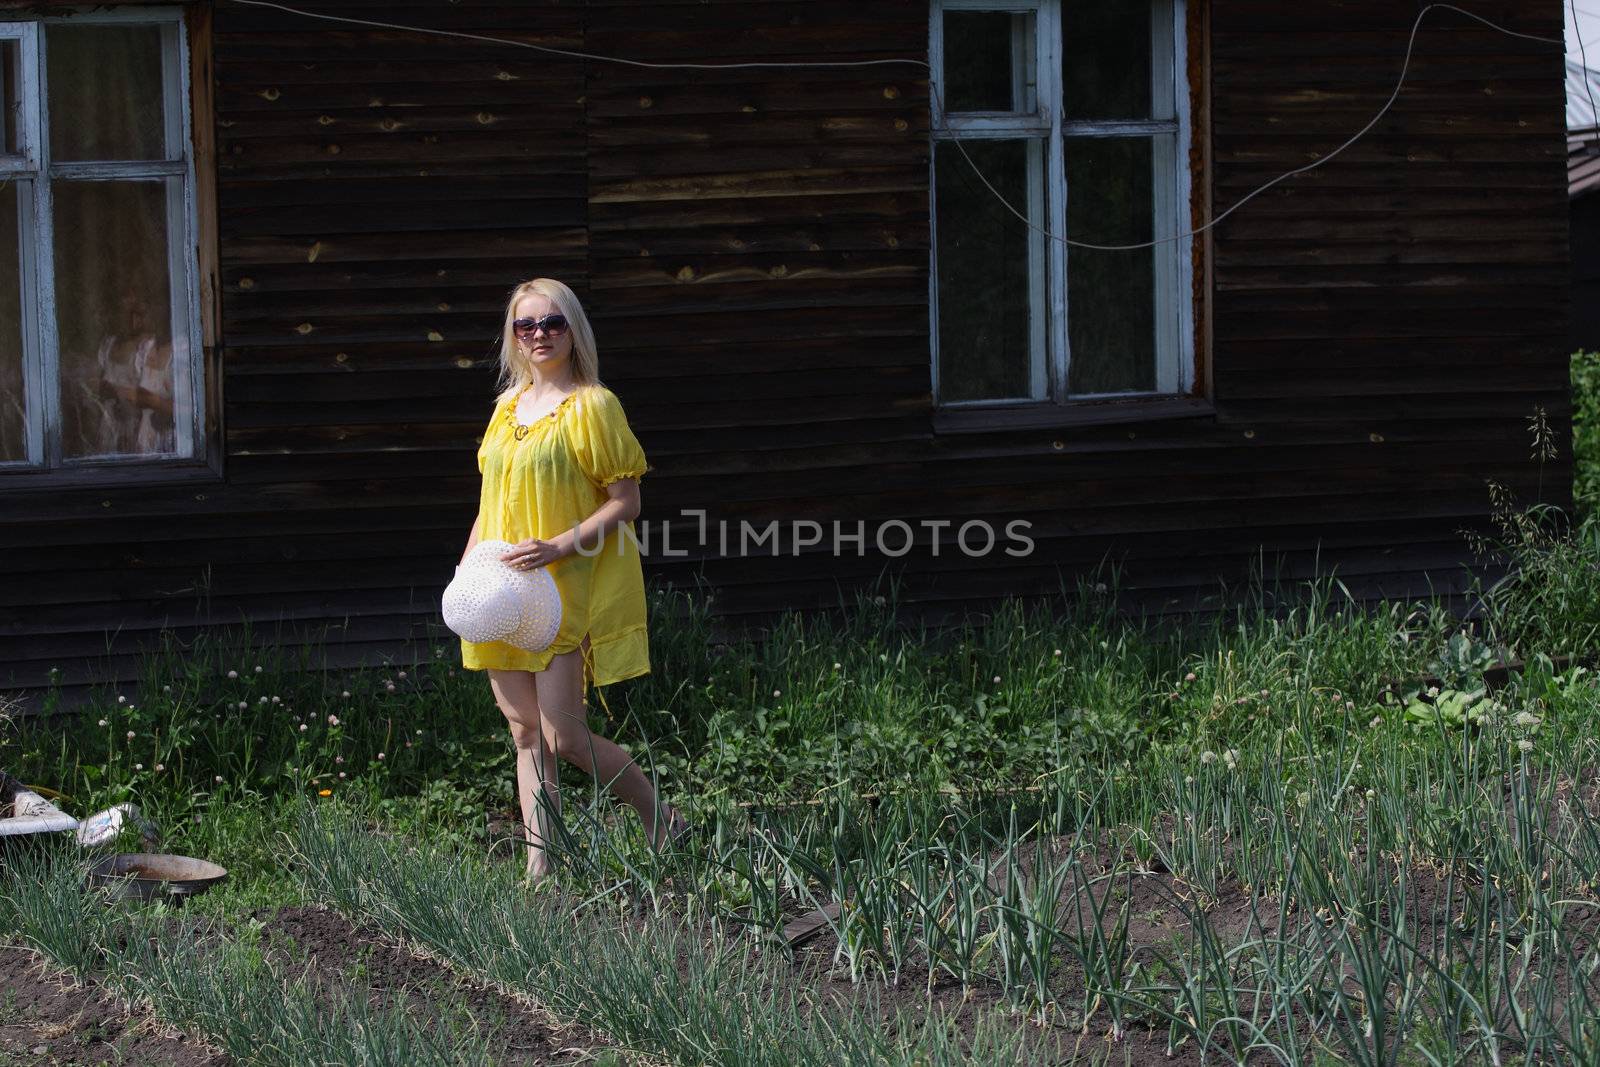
<point>41,363</point>
<point>1047,271</point>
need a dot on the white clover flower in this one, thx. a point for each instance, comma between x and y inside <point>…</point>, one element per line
<point>389,688</point>
<point>1433,690</point>
<point>258,668</point>
<point>233,674</point>
<point>333,720</point>
<point>122,700</point>
<point>138,766</point>
<point>1189,677</point>
<point>380,756</point>
<point>302,727</point>
<point>338,759</point>
<point>1208,757</point>
<point>161,766</point>
<point>275,700</point>
<point>1058,652</point>
<point>341,774</point>
<point>217,779</point>
<point>166,689</point>
<point>419,733</point>
<point>838,666</point>
<point>345,694</point>
<point>1264,694</point>
<point>131,735</point>
<point>263,700</point>
<point>1377,721</point>
<point>243,704</point>
<point>777,692</point>
<point>402,676</point>
<point>104,722</point>
<point>997,679</point>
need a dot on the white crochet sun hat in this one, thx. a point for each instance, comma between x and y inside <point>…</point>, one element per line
<point>489,600</point>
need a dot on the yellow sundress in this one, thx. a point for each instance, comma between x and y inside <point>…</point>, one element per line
<point>544,484</point>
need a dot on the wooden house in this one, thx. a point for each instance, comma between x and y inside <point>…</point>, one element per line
<point>253,264</point>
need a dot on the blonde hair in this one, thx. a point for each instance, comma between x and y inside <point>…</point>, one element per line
<point>515,370</point>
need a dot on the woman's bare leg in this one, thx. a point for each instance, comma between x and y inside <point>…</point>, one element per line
<point>537,767</point>
<point>567,734</point>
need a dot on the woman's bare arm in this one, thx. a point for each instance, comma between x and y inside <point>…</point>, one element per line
<point>472,538</point>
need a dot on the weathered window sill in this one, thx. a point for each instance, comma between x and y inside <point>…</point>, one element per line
<point>1066,416</point>
<point>108,476</point>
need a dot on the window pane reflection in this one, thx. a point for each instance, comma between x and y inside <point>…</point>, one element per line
<point>1110,295</point>
<point>113,318</point>
<point>984,289</point>
<point>13,399</point>
<point>106,90</point>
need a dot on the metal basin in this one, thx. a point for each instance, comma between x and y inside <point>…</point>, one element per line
<point>143,875</point>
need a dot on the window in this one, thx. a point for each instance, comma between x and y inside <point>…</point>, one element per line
<point>99,316</point>
<point>1076,113</point>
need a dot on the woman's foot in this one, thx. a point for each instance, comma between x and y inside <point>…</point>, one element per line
<point>673,833</point>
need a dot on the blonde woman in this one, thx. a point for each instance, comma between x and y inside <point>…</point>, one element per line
<point>561,472</point>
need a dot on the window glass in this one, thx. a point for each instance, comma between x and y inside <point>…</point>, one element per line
<point>983,271</point>
<point>1105,65</point>
<point>13,414</point>
<point>105,92</point>
<point>114,317</point>
<point>978,52</point>
<point>10,97</point>
<point>1110,295</point>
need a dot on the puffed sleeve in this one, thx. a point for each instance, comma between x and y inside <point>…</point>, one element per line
<point>602,441</point>
<point>483,445</point>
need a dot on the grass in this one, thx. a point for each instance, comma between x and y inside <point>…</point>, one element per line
<point>1303,828</point>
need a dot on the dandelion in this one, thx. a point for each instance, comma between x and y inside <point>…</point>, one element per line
<point>1525,745</point>
<point>103,722</point>
<point>324,792</point>
<point>1189,677</point>
<point>333,720</point>
<point>1526,719</point>
<point>233,674</point>
<point>1207,758</point>
<point>131,735</point>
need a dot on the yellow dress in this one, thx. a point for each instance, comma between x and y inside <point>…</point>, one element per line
<point>545,484</point>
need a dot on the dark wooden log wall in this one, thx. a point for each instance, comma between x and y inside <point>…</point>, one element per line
<point>753,249</point>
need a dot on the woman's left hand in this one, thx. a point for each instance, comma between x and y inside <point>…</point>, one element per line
<point>526,555</point>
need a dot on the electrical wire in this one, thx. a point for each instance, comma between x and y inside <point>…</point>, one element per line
<point>1405,67</point>
<point>1583,60</point>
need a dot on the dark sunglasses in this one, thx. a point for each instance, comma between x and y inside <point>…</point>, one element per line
<point>551,324</point>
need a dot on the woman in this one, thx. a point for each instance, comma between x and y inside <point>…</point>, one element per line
<point>561,473</point>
